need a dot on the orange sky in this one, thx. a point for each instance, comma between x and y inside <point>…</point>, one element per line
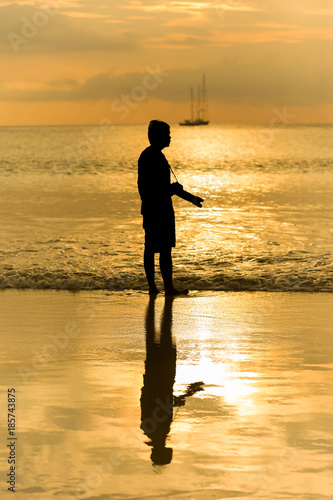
<point>73,62</point>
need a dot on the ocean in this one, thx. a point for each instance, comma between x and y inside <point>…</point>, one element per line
<point>70,209</point>
<point>237,385</point>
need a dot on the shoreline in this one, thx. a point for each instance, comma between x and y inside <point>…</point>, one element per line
<point>139,293</point>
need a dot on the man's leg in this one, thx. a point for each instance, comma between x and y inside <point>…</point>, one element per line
<point>166,270</point>
<point>166,267</point>
<point>149,265</point>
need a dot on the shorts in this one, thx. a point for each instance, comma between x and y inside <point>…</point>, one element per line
<point>160,234</point>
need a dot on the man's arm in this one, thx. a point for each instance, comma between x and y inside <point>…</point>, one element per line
<point>185,195</point>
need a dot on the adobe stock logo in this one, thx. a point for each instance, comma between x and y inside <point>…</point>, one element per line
<point>31,27</point>
<point>281,117</point>
<point>121,107</point>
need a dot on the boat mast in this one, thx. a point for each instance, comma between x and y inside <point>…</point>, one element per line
<point>199,101</point>
<point>203,96</point>
<point>199,106</point>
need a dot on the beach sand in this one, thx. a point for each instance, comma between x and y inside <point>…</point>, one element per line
<point>260,428</point>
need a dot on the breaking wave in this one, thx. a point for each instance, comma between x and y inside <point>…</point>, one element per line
<point>287,281</point>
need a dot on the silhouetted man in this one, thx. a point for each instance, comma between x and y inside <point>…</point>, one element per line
<point>156,191</point>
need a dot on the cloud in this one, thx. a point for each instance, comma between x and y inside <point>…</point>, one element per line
<point>63,83</point>
<point>258,52</point>
<point>190,7</point>
<point>179,40</point>
<point>68,26</point>
<point>255,74</point>
<point>31,30</point>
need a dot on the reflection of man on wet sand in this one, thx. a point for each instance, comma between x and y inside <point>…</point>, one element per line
<point>156,192</point>
<point>157,400</point>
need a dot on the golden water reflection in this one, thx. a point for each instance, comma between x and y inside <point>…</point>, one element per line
<point>261,427</point>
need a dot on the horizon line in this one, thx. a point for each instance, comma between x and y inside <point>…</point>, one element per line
<point>172,124</point>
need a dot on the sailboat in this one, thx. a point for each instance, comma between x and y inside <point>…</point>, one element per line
<point>201,107</point>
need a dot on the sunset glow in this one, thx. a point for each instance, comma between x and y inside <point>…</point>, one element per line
<point>69,62</point>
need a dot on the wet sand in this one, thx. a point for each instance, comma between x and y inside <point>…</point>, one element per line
<point>211,396</point>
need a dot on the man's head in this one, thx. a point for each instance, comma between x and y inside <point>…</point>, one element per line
<point>161,455</point>
<point>159,134</point>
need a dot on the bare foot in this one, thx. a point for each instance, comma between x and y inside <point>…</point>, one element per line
<point>174,291</point>
<point>153,290</point>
